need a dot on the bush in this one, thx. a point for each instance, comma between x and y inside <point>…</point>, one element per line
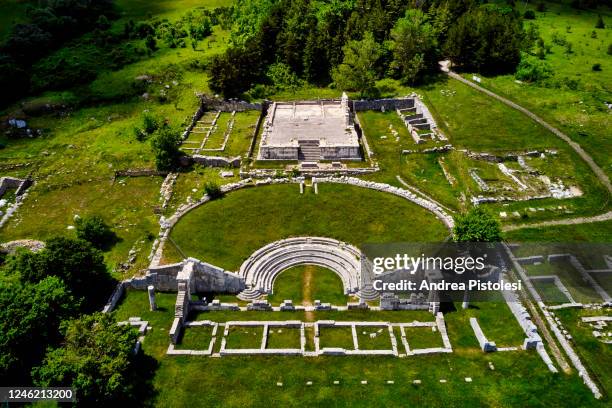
<point>600,23</point>
<point>213,190</point>
<point>477,226</point>
<point>596,67</point>
<point>558,39</point>
<point>165,144</point>
<point>94,230</point>
<point>529,15</point>
<point>532,69</point>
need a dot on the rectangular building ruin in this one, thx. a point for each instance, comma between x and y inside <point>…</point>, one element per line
<point>309,131</point>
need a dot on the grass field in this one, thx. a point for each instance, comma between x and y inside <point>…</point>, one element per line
<point>315,283</point>
<point>476,122</point>
<point>519,378</point>
<point>591,232</point>
<point>578,109</point>
<point>226,231</point>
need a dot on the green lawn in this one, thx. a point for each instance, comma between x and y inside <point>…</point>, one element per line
<point>196,338</point>
<point>244,337</point>
<point>283,337</point>
<point>306,283</point>
<point>375,338</point>
<point>519,378</point>
<point>226,231</point>
<point>593,353</point>
<point>591,232</point>
<point>338,336</point>
<point>421,338</point>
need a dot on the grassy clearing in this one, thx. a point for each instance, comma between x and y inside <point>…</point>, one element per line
<point>283,337</point>
<point>242,134</point>
<point>339,336</point>
<point>595,354</point>
<point>244,337</point>
<point>519,379</point>
<point>373,338</point>
<point>422,337</point>
<point>126,205</point>
<point>577,110</point>
<point>226,231</point>
<point>580,290</point>
<point>590,232</point>
<point>306,283</point>
<point>196,338</point>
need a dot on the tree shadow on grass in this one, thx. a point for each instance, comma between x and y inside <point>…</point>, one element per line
<point>143,372</point>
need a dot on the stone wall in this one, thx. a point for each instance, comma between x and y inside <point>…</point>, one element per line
<point>140,173</point>
<point>483,342</point>
<point>229,105</point>
<point>215,161</point>
<point>390,104</point>
<point>206,277</point>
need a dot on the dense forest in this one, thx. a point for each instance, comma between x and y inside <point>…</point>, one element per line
<point>351,43</point>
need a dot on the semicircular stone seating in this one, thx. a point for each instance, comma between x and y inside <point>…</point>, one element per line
<point>265,264</point>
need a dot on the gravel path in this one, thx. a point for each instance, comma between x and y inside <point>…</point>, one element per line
<point>572,221</point>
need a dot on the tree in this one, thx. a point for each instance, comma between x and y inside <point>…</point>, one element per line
<point>413,45</point>
<point>76,262</point>
<point>165,143</point>
<point>357,72</point>
<point>96,360</point>
<point>600,23</point>
<point>486,39</point>
<point>532,69</point>
<point>477,225</point>
<point>237,70</point>
<point>30,315</point>
<point>94,230</point>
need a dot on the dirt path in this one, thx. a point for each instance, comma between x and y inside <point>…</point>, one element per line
<point>307,290</point>
<point>572,221</point>
<point>601,175</point>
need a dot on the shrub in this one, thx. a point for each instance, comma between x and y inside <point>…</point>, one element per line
<point>213,190</point>
<point>477,225</point>
<point>596,67</point>
<point>593,34</point>
<point>558,38</point>
<point>529,15</point>
<point>600,23</point>
<point>94,230</point>
<point>531,69</point>
<point>165,144</point>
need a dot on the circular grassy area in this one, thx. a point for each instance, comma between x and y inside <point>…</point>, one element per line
<point>226,231</point>
<point>304,284</point>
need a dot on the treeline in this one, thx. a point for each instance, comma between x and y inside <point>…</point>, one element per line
<point>51,23</point>
<point>311,40</point>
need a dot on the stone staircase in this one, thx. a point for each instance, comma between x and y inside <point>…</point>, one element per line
<point>368,293</point>
<point>309,150</point>
<point>249,294</point>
